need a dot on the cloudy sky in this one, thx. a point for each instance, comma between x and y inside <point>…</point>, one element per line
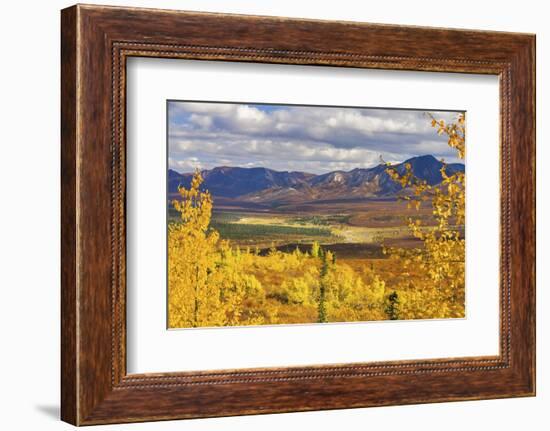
<point>298,138</point>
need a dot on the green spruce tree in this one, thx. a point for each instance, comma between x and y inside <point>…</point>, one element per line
<point>322,306</point>
<point>392,307</point>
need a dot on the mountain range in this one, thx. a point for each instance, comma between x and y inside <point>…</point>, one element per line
<point>263,185</point>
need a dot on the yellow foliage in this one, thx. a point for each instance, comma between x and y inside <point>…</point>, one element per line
<point>212,283</point>
<point>443,255</point>
<point>205,285</point>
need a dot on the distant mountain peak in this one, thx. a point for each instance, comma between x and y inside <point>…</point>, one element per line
<point>427,157</point>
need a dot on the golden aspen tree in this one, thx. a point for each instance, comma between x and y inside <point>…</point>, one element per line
<point>443,254</point>
<point>207,285</point>
<point>236,288</point>
<point>191,261</point>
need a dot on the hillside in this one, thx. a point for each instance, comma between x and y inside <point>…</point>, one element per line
<point>263,185</point>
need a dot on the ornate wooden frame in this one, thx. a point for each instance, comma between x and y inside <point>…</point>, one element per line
<point>96,41</point>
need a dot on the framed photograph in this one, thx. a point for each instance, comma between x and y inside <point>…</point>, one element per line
<point>290,214</point>
<point>263,215</point>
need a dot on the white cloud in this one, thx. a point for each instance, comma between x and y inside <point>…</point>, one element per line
<point>188,164</point>
<point>204,121</point>
<point>315,139</point>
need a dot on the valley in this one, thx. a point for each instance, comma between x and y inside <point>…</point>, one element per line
<point>352,224</point>
<point>276,231</point>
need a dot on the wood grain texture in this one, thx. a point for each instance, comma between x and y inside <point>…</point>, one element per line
<point>96,41</point>
<point>69,366</point>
